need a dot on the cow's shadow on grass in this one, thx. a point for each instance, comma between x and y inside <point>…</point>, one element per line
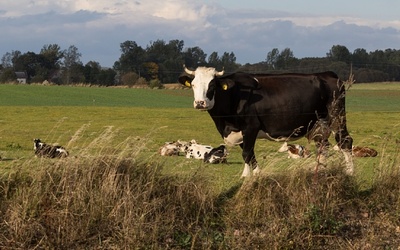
<point>7,159</point>
<point>228,194</point>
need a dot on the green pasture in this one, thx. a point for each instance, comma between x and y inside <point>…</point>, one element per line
<point>75,116</point>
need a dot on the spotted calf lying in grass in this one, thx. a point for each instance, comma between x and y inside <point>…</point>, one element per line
<point>174,148</point>
<point>195,151</point>
<point>207,153</point>
<point>216,155</point>
<point>295,151</point>
<point>44,150</point>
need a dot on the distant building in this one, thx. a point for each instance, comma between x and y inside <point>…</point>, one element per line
<point>21,76</point>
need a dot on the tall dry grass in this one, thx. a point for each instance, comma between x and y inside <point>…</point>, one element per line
<point>107,196</point>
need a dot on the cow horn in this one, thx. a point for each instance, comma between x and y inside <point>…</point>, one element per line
<point>220,73</point>
<point>190,72</point>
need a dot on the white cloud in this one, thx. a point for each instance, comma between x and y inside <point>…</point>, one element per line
<point>97,28</point>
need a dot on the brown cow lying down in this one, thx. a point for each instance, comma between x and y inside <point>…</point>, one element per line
<point>295,151</point>
<point>364,152</point>
<point>358,151</point>
<point>44,150</point>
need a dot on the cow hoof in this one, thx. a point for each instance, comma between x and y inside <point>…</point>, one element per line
<point>246,171</point>
<point>256,171</point>
<point>349,171</point>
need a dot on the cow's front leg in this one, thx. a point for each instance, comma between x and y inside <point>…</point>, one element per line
<point>250,162</point>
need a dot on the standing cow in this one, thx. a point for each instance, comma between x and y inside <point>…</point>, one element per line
<point>278,107</point>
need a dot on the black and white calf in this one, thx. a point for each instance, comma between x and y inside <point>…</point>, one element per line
<point>174,148</point>
<point>44,150</point>
<point>206,153</point>
<point>216,155</point>
<point>197,151</point>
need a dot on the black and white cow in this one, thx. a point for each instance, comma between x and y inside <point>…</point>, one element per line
<point>278,107</point>
<point>45,150</point>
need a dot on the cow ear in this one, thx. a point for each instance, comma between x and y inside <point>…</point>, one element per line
<point>227,84</point>
<point>185,80</point>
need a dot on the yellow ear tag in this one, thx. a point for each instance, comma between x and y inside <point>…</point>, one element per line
<point>225,86</point>
<point>187,84</point>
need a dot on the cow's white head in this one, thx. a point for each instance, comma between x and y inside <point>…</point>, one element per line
<point>200,80</point>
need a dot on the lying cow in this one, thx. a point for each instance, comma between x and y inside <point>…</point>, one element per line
<point>169,149</point>
<point>197,151</point>
<point>44,150</point>
<point>358,151</point>
<point>364,152</point>
<point>216,155</point>
<point>206,153</point>
<point>295,151</point>
<point>174,148</point>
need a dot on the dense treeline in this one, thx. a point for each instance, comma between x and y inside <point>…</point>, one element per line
<point>161,62</point>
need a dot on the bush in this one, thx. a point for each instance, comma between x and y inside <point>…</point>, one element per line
<point>155,84</point>
<point>129,79</point>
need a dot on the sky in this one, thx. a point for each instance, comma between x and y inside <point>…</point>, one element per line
<point>250,29</point>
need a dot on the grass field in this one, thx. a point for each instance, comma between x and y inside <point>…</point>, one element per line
<point>116,192</point>
<point>56,113</point>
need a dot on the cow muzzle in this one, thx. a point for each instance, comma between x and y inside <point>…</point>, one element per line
<point>200,104</point>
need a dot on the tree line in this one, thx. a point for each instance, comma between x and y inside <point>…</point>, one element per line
<point>161,62</point>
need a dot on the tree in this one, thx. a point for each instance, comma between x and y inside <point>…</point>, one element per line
<point>51,64</point>
<point>360,58</point>
<point>150,70</point>
<point>214,60</point>
<point>30,63</point>
<point>272,58</point>
<point>107,77</point>
<point>72,65</point>
<point>8,60</point>
<point>91,71</point>
<point>168,57</point>
<point>228,62</point>
<point>339,53</point>
<point>8,75</point>
<point>285,59</point>
<point>131,59</point>
<point>194,57</point>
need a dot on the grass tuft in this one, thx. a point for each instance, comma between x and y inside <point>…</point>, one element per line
<point>110,196</point>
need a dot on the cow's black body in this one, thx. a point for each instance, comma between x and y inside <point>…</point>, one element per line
<point>279,107</point>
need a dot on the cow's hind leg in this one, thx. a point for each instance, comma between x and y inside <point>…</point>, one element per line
<point>345,143</point>
<point>338,124</point>
<point>320,134</point>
